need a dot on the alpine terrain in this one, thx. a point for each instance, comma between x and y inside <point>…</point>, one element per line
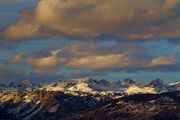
<point>90,99</point>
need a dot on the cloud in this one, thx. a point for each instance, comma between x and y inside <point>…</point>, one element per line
<point>82,74</point>
<point>101,61</point>
<point>18,57</point>
<point>124,56</point>
<point>12,2</point>
<point>99,56</point>
<point>162,60</point>
<point>119,56</point>
<point>95,57</point>
<point>9,74</point>
<point>78,56</point>
<point>22,29</point>
<point>82,60</point>
<point>46,62</point>
<point>122,19</point>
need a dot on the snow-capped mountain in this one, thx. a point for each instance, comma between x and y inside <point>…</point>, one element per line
<point>23,85</point>
<point>104,85</point>
<point>159,85</point>
<point>85,83</point>
<point>65,85</point>
<point>127,86</point>
<point>127,82</point>
<point>154,86</point>
<point>134,89</point>
<point>2,86</point>
<point>82,87</point>
<point>92,86</point>
<point>175,86</point>
<point>38,105</point>
<point>27,101</point>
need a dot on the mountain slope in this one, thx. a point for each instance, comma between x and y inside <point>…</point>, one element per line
<point>80,99</point>
<point>165,106</point>
<point>83,87</point>
<point>175,86</point>
<point>23,85</point>
<point>134,89</point>
<point>43,104</point>
<point>6,116</point>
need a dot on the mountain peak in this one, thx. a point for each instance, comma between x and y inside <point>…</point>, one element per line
<point>156,82</point>
<point>128,81</point>
<point>22,85</point>
<point>159,85</point>
<point>104,81</point>
<point>83,87</point>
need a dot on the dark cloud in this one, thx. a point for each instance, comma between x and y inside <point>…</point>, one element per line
<point>8,74</point>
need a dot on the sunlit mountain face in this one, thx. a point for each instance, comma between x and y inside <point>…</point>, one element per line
<point>88,53</point>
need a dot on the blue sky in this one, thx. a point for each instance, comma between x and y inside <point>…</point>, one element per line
<point>47,41</point>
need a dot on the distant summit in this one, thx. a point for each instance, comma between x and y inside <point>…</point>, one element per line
<point>23,85</point>
<point>127,81</point>
<point>92,86</point>
<point>2,86</point>
<point>159,85</point>
<point>156,83</point>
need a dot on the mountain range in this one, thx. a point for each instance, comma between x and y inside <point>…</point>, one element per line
<point>80,99</point>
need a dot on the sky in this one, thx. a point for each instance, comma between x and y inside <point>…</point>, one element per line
<point>50,40</point>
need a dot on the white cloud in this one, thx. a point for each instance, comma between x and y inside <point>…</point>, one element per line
<point>162,60</point>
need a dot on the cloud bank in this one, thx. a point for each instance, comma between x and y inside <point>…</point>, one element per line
<point>75,60</point>
<point>120,56</point>
<point>122,19</point>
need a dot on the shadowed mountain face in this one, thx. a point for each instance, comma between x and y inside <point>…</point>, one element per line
<point>165,106</point>
<point>43,104</point>
<point>128,81</point>
<point>6,116</point>
<point>46,105</point>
